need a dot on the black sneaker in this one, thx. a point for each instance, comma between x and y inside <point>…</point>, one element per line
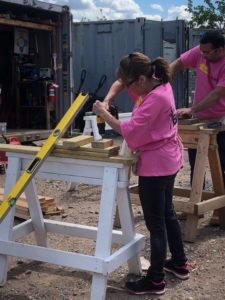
<point>145,286</point>
<point>181,272</point>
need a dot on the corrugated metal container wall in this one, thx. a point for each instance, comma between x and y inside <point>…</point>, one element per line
<point>175,42</point>
<point>99,46</point>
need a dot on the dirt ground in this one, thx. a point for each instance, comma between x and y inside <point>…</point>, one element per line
<point>37,280</point>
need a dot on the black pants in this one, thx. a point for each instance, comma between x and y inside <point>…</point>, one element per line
<point>221,149</point>
<point>156,195</point>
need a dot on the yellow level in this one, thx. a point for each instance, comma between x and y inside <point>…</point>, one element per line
<point>48,146</point>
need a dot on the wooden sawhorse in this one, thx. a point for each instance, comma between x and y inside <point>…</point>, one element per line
<point>204,140</point>
<point>112,175</point>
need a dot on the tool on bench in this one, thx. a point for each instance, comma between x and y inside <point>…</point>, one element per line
<point>91,126</point>
<point>95,124</point>
<point>48,146</point>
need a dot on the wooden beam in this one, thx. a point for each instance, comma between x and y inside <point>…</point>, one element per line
<point>182,192</point>
<point>102,144</point>
<point>31,25</point>
<point>210,204</point>
<point>184,206</point>
<point>77,141</point>
<point>33,150</point>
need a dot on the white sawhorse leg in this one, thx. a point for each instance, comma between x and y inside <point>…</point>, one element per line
<point>105,226</point>
<point>7,224</point>
<point>6,227</point>
<point>36,215</point>
<point>127,226</point>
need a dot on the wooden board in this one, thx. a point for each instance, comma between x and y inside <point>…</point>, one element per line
<point>184,121</point>
<point>113,150</point>
<point>110,149</point>
<point>77,141</point>
<point>102,144</point>
<point>192,126</point>
<point>33,150</point>
<point>86,153</point>
<point>22,208</point>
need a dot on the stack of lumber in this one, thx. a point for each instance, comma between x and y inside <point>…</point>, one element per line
<point>48,206</point>
<point>84,145</point>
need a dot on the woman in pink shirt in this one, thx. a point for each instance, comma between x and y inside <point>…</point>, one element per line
<point>152,132</point>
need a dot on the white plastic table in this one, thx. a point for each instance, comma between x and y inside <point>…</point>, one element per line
<point>113,176</point>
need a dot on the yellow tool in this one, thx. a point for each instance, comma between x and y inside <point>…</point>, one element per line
<point>48,146</point>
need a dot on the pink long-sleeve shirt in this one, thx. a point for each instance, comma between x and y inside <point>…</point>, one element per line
<point>209,75</point>
<point>152,132</point>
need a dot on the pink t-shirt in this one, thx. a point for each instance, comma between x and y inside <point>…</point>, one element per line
<point>152,132</point>
<point>208,76</point>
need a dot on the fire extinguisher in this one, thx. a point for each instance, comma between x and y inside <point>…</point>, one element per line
<point>51,87</point>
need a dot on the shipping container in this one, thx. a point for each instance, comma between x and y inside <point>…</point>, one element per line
<point>99,45</point>
<point>35,63</point>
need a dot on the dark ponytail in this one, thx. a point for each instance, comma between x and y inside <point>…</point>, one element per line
<point>161,69</point>
<point>135,64</point>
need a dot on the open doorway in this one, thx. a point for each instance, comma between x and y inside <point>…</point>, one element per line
<point>7,78</point>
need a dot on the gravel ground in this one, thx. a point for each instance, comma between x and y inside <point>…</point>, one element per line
<point>39,281</point>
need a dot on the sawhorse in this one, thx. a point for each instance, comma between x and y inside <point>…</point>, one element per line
<point>200,202</point>
<point>112,175</point>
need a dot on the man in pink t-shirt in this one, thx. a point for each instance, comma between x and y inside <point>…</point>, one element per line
<point>208,59</point>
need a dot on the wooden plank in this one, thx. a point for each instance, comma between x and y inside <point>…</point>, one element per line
<point>33,150</point>
<point>184,206</point>
<point>77,141</point>
<point>189,121</point>
<point>182,192</point>
<point>89,148</point>
<point>189,137</point>
<point>209,205</point>
<point>102,144</point>
<point>74,154</point>
<point>19,23</point>
<point>192,127</point>
<point>199,168</point>
<point>216,172</point>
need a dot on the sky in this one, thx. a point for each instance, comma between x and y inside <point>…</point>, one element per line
<point>93,10</point>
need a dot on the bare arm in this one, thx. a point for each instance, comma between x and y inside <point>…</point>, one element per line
<point>175,66</point>
<point>209,100</point>
<point>206,102</point>
<point>100,110</point>
<point>114,90</point>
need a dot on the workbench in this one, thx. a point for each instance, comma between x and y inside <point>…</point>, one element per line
<point>112,174</point>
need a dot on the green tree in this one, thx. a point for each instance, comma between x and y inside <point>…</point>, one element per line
<point>210,15</point>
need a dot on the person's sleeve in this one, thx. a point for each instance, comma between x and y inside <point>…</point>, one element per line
<point>190,58</point>
<point>221,81</point>
<point>137,130</point>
